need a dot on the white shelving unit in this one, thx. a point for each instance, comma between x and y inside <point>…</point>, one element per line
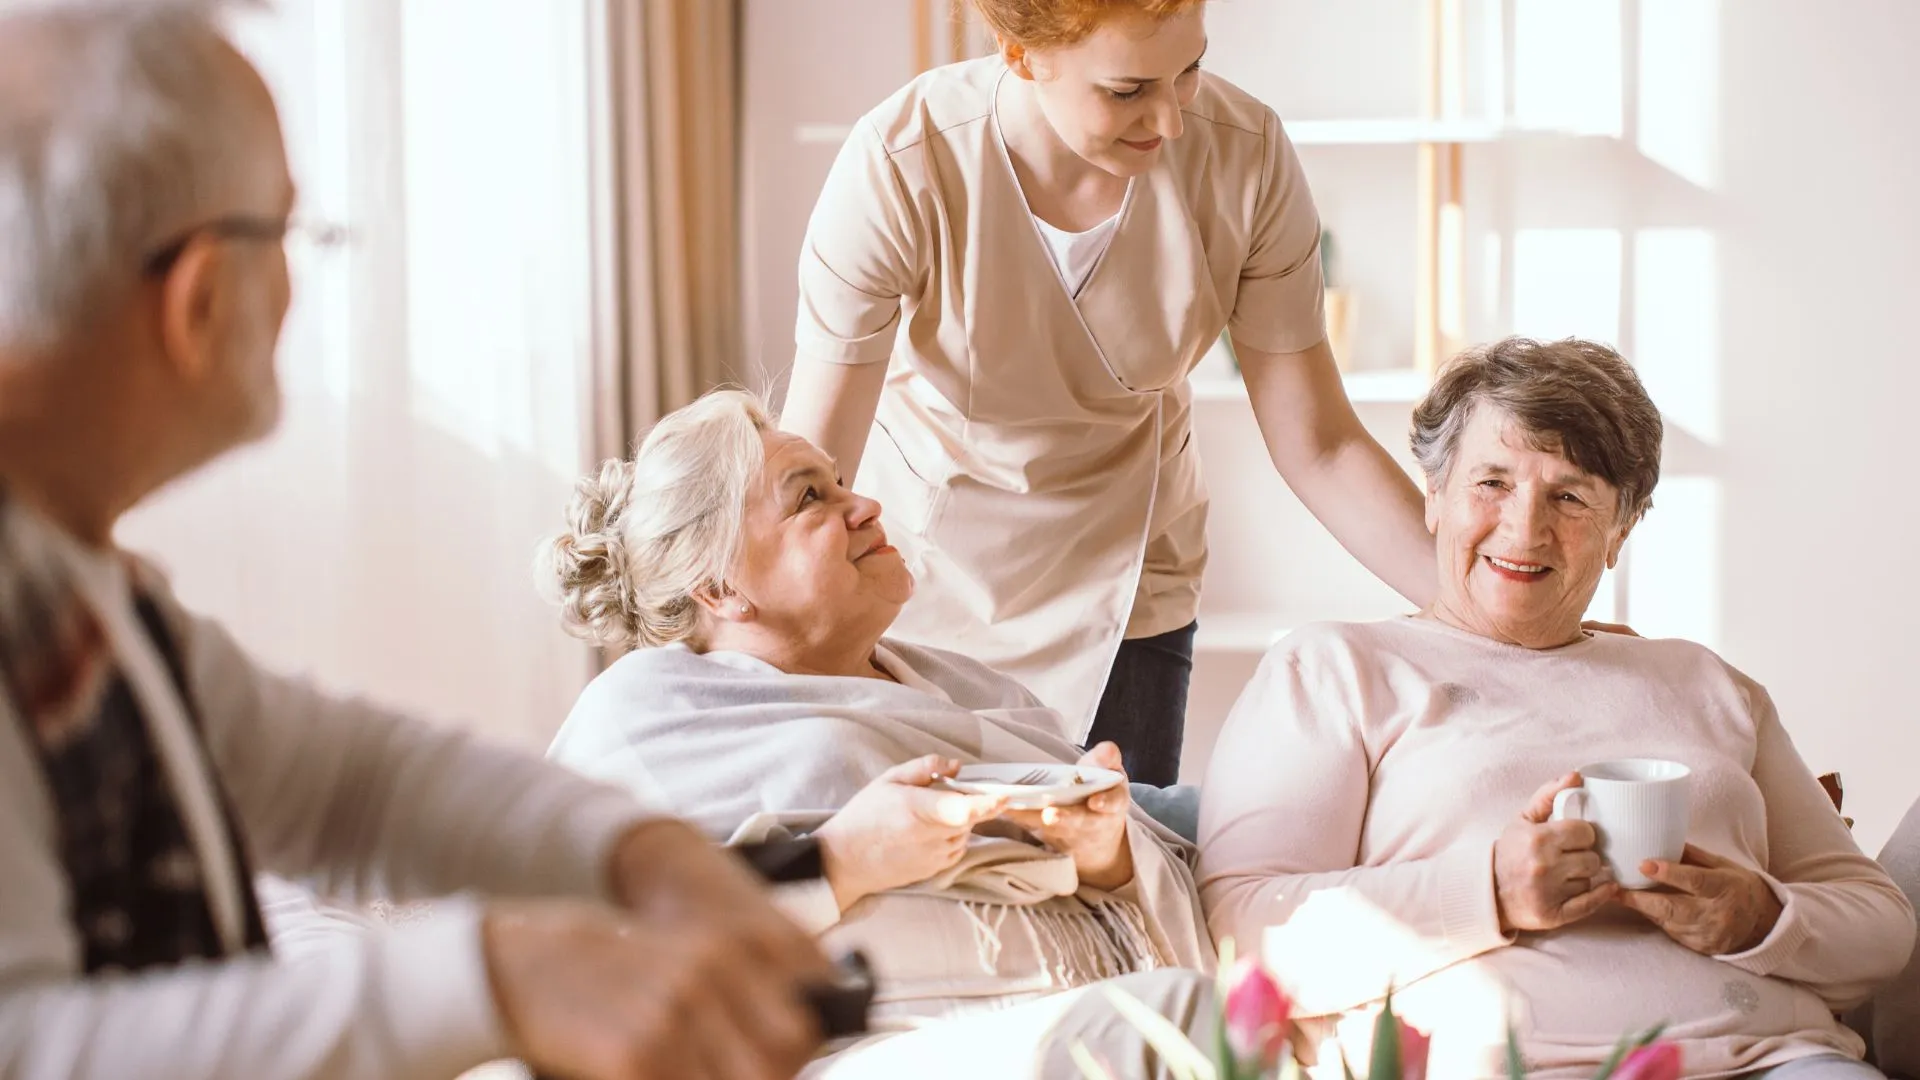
<point>1393,131</point>
<point>821,134</point>
<point>1239,633</point>
<point>1384,131</point>
<point>1248,634</point>
<point>1363,388</point>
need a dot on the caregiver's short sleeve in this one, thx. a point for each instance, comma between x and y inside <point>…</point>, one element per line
<point>1279,307</point>
<point>860,257</point>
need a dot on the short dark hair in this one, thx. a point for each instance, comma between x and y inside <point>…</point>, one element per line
<point>1575,398</point>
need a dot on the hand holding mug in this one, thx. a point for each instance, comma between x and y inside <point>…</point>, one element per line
<point>1717,908</point>
<point>1546,874</point>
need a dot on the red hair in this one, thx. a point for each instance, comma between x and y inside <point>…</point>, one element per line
<point>1051,24</point>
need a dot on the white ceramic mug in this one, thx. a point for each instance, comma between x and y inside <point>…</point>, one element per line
<point>1639,808</point>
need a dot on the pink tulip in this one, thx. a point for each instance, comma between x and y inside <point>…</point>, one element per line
<point>1256,1015</point>
<point>1654,1061</point>
<point>1413,1052</point>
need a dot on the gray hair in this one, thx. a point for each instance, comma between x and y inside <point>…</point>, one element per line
<point>1574,398</point>
<point>118,128</point>
<point>646,536</point>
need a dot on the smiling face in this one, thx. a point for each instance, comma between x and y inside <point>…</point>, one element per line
<point>815,564</point>
<point>1114,97</point>
<point>1522,535</point>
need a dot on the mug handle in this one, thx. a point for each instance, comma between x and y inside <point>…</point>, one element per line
<point>1565,800</point>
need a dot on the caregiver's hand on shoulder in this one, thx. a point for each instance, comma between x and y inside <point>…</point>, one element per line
<point>592,993</point>
<point>898,831</point>
<point>1718,907</point>
<point>1094,832</point>
<point>1546,874</point>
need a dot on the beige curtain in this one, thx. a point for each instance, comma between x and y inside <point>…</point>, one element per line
<point>667,112</point>
<point>433,368</point>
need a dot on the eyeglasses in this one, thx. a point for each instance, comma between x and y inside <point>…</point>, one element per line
<point>263,230</point>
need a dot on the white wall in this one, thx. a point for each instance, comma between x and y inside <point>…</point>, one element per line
<point>1819,229</point>
<point>823,62</point>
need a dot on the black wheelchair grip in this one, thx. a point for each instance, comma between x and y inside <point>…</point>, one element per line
<point>782,862</point>
<point>840,1007</point>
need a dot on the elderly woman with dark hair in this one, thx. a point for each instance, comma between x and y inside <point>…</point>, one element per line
<point>1379,809</point>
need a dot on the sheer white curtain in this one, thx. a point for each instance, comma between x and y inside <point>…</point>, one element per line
<point>435,370</point>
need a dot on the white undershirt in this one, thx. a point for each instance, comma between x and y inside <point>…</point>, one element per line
<point>1075,253</point>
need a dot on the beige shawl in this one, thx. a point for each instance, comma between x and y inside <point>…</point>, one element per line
<point>749,752</point>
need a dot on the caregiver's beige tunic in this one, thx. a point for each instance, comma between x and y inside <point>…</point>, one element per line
<point>1031,448</point>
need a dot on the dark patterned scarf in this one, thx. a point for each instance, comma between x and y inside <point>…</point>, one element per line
<point>137,897</point>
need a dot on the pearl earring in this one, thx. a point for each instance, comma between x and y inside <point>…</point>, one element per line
<point>745,609</point>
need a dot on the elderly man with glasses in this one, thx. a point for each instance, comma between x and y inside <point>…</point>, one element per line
<point>148,768</point>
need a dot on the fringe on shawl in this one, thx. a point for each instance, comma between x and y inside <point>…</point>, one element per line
<point>1079,941</point>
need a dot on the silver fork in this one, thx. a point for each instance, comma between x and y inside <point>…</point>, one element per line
<point>1032,776</point>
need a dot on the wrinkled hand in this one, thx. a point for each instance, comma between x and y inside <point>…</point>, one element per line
<point>1719,908</point>
<point>667,874</point>
<point>1546,874</point>
<point>591,993</point>
<point>1608,628</point>
<point>1094,832</point>
<point>897,831</point>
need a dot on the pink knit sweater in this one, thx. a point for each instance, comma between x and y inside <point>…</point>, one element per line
<point>1357,790</point>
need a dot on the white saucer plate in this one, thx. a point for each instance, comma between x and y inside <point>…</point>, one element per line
<point>1036,786</point>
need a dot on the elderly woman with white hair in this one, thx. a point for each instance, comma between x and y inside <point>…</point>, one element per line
<point>1379,811</point>
<point>762,699</point>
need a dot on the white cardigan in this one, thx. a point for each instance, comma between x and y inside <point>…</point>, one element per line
<point>353,800</point>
